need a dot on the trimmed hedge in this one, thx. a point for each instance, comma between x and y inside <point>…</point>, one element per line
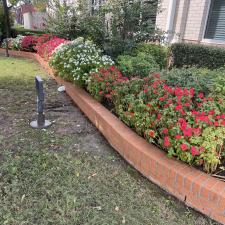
<point>159,52</point>
<point>25,32</point>
<point>186,55</point>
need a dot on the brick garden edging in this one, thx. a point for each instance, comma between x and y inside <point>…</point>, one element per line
<point>195,188</point>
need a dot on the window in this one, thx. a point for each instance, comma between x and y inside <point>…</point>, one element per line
<point>215,28</point>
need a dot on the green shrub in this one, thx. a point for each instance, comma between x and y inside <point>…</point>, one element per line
<point>157,51</point>
<point>102,83</point>
<point>26,32</point>
<point>203,80</point>
<point>141,65</point>
<point>76,59</point>
<point>200,79</point>
<point>186,55</point>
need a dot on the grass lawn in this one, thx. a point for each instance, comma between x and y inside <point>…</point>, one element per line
<point>68,174</point>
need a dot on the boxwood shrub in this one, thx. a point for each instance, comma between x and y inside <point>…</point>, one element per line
<point>158,52</point>
<point>186,55</point>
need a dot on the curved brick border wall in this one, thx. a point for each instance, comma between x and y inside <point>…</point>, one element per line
<point>197,189</point>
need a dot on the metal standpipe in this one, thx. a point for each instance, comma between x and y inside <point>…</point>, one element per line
<point>40,123</point>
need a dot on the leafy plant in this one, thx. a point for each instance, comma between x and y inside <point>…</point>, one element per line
<point>76,59</point>
<point>63,22</point>
<point>186,55</point>
<point>157,51</point>
<point>102,83</point>
<point>17,42</point>
<point>45,50</point>
<point>200,79</point>
<point>187,124</point>
<point>29,43</point>
<point>175,118</point>
<point>141,65</point>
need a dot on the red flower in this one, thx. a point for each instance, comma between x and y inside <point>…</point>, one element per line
<point>100,92</point>
<point>159,116</point>
<point>187,132</point>
<point>151,133</point>
<point>201,149</point>
<point>112,68</point>
<point>108,96</point>
<point>165,131</point>
<point>211,112</point>
<point>178,136</point>
<point>184,147</point>
<point>197,131</point>
<point>194,151</point>
<point>200,95</point>
<point>166,141</point>
<point>178,107</point>
<point>192,91</point>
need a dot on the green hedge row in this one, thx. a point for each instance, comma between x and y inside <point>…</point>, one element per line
<point>25,32</point>
<point>186,55</point>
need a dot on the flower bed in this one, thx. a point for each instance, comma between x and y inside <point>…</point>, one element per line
<point>195,188</point>
<point>188,125</point>
<point>184,122</point>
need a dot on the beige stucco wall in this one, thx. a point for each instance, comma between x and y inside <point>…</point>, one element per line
<point>190,19</point>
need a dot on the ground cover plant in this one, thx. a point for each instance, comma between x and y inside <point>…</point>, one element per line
<point>68,174</point>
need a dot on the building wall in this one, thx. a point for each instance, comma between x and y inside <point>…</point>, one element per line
<point>189,21</point>
<point>27,18</point>
<point>161,18</point>
<point>34,20</point>
<point>196,20</point>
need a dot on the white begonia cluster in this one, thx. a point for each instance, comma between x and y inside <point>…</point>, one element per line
<point>77,58</point>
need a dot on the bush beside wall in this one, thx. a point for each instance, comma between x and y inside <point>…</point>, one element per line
<point>186,55</point>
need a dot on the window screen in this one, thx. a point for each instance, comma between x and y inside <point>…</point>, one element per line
<point>215,28</point>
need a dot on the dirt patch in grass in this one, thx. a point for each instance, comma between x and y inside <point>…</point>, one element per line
<point>68,174</point>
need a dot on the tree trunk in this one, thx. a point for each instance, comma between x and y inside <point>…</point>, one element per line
<point>7,25</point>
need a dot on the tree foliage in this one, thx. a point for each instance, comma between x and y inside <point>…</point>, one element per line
<point>62,19</point>
<point>117,25</point>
